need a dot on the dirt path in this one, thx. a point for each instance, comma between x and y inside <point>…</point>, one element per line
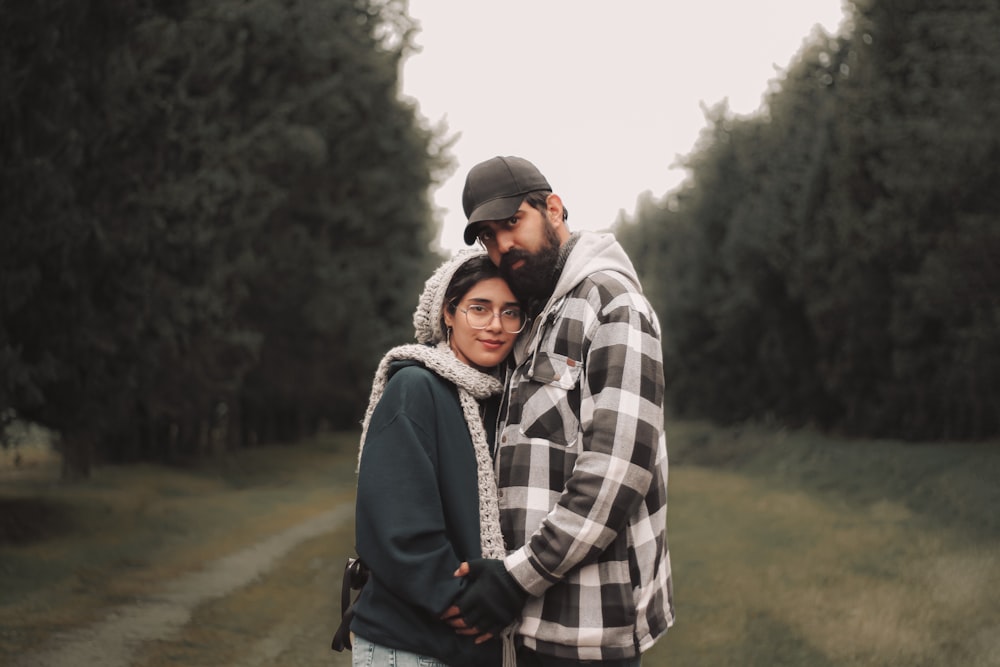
<point>119,639</point>
<point>231,564</point>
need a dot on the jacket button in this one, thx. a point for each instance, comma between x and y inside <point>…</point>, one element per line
<point>503,438</point>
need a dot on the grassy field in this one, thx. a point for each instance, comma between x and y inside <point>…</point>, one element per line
<point>788,548</point>
<point>70,552</point>
<point>796,549</point>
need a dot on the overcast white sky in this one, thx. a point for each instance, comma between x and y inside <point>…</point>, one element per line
<point>601,96</point>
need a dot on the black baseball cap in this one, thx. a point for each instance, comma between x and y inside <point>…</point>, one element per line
<point>494,190</point>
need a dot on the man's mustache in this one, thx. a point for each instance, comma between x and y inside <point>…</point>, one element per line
<point>508,260</point>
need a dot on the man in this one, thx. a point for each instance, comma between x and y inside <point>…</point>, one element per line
<point>581,454</point>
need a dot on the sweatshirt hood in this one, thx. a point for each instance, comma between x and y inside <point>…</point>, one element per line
<point>592,252</point>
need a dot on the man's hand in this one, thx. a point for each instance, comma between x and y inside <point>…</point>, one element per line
<point>491,600</point>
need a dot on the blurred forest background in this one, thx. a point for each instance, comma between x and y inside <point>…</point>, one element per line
<point>216,218</point>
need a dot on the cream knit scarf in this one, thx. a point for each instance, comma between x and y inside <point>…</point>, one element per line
<point>472,386</point>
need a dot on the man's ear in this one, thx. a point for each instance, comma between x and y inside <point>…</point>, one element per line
<point>554,209</point>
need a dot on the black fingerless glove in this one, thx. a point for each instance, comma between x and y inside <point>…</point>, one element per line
<point>492,599</point>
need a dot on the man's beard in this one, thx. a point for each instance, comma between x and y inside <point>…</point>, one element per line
<point>536,279</point>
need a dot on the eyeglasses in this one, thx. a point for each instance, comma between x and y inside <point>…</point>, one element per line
<point>512,320</point>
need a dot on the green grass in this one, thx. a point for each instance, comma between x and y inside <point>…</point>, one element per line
<point>67,551</point>
<point>798,549</point>
<point>788,547</point>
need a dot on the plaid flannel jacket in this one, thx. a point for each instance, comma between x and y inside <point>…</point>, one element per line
<point>582,465</point>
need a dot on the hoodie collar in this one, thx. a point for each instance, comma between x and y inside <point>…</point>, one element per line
<point>583,254</point>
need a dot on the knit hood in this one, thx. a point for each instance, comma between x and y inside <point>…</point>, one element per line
<point>430,308</point>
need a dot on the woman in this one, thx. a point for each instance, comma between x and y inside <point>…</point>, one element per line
<point>426,497</point>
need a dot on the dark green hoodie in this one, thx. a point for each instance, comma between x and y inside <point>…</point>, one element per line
<point>417,518</point>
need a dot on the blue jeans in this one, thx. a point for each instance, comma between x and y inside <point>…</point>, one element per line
<point>367,654</point>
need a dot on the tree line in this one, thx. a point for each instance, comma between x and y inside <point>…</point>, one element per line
<point>216,218</point>
<point>832,259</point>
<point>213,215</point>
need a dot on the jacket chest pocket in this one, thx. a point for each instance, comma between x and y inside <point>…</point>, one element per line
<point>551,403</point>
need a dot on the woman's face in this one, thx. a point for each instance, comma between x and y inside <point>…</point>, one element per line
<point>486,347</point>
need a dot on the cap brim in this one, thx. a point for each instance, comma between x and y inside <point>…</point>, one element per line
<point>500,208</point>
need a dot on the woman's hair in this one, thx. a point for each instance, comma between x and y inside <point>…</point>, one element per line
<point>539,200</point>
<point>467,276</point>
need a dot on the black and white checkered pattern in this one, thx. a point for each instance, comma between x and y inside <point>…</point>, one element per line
<point>582,473</point>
